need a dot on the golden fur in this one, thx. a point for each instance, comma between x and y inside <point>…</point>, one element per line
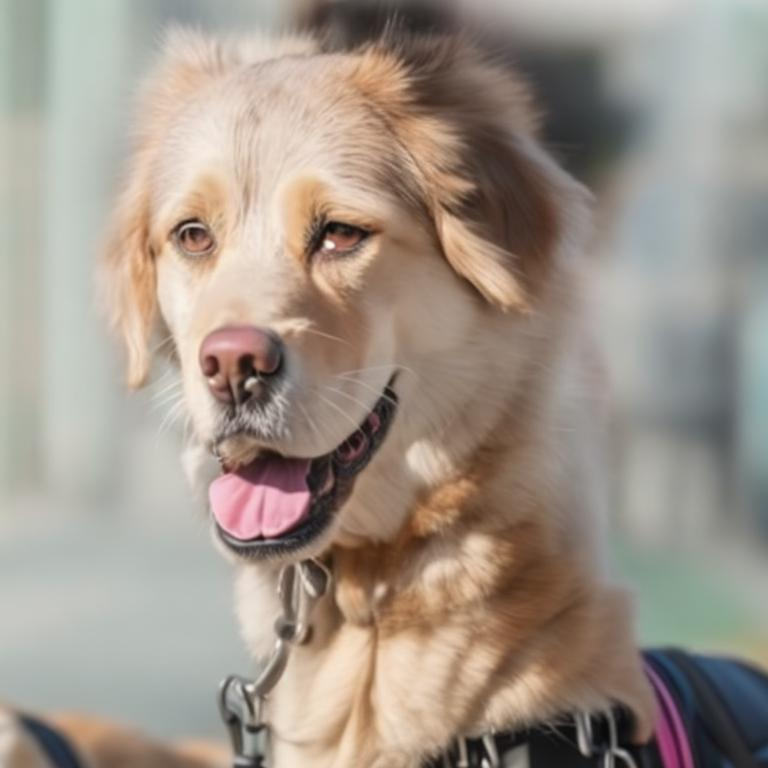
<point>469,592</point>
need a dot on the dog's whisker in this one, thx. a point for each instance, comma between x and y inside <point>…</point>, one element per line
<point>171,389</point>
<point>327,336</point>
<point>164,379</point>
<point>366,408</point>
<point>336,407</point>
<point>322,428</point>
<point>161,387</point>
<point>166,399</point>
<point>367,386</point>
<point>311,422</point>
<point>163,342</point>
<point>391,367</point>
<point>171,417</point>
<point>167,405</point>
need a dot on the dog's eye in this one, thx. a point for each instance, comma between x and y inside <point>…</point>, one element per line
<point>338,238</point>
<point>194,238</point>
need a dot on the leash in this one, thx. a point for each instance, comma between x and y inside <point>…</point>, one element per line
<point>242,701</point>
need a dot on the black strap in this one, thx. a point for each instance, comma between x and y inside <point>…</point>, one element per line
<point>555,745</point>
<point>57,748</point>
<point>715,714</point>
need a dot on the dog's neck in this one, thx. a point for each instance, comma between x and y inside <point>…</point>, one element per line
<point>480,614</point>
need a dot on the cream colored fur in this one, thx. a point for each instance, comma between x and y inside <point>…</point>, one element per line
<point>468,587</point>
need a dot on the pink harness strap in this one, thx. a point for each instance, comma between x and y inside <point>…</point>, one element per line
<point>671,735</point>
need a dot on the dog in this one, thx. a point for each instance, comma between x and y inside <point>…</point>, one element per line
<point>369,271</point>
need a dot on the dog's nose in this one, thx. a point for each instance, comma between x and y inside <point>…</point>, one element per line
<point>238,361</point>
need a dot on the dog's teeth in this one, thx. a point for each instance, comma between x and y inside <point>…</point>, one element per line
<point>353,447</point>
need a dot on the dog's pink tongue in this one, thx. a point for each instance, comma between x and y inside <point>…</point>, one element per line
<point>265,499</point>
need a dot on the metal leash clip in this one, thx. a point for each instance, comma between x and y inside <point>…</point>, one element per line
<point>612,753</point>
<point>243,721</point>
<point>242,701</point>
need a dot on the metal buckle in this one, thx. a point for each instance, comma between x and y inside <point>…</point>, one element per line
<point>490,758</point>
<point>615,750</point>
<point>610,752</point>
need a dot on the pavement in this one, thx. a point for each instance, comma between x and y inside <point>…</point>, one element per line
<point>101,615</point>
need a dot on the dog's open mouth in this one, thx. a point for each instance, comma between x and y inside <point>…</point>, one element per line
<point>276,505</point>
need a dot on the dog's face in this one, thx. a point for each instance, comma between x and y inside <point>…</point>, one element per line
<point>337,245</point>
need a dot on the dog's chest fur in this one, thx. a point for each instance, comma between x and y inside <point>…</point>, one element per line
<point>473,618</point>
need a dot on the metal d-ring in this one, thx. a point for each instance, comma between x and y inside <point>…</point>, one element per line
<point>615,750</point>
<point>585,738</point>
<point>463,749</point>
<point>492,758</point>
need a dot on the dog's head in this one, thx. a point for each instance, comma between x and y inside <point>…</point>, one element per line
<point>341,246</point>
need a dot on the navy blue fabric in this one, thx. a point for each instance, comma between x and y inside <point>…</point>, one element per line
<point>744,691</point>
<point>728,725</point>
<point>58,750</point>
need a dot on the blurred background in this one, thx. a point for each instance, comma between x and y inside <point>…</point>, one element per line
<point>112,599</point>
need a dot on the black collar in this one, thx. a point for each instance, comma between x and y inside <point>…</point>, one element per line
<point>577,742</point>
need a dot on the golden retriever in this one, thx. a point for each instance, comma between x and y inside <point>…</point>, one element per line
<point>369,267</point>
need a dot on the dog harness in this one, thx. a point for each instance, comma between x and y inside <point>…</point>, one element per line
<point>713,712</point>
<point>53,743</point>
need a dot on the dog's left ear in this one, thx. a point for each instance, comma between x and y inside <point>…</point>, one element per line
<point>467,130</point>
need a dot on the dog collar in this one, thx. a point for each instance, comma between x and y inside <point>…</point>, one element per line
<point>579,741</point>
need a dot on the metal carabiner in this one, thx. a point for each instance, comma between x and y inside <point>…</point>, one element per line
<point>243,723</point>
<point>610,753</point>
